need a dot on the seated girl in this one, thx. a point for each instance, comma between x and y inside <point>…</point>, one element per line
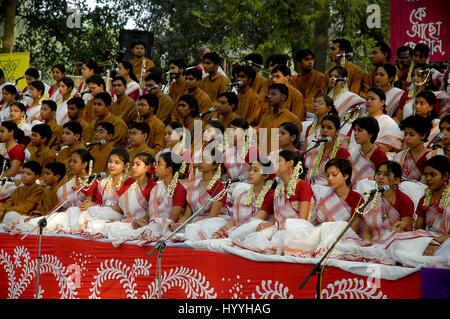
<point>433,211</point>
<point>337,201</point>
<point>443,147</point>
<point>413,158</point>
<point>425,107</point>
<point>9,92</point>
<point>18,115</point>
<point>11,149</point>
<point>38,94</point>
<point>316,159</point>
<point>200,191</point>
<point>322,106</point>
<point>255,203</point>
<point>288,135</point>
<point>388,211</point>
<point>96,214</point>
<point>384,79</point>
<point>368,156</point>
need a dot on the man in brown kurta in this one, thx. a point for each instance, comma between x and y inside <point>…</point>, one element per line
<point>308,81</point>
<point>124,106</point>
<point>177,81</point>
<point>166,106</point>
<point>96,85</point>
<point>277,98</point>
<point>215,83</point>
<point>103,131</point>
<point>226,106</point>
<point>259,84</point>
<point>381,54</point>
<point>138,134</point>
<point>140,62</point>
<point>147,105</point>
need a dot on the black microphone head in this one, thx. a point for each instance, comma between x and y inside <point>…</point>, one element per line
<point>384,188</point>
<point>102,175</point>
<point>103,142</point>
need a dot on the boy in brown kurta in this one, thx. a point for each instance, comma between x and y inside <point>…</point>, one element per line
<point>75,107</point>
<point>226,105</point>
<point>381,54</point>
<point>53,176</point>
<point>215,83</point>
<point>259,84</point>
<point>48,110</point>
<point>277,97</point>
<point>70,142</point>
<point>25,198</point>
<point>137,137</point>
<point>40,136</point>
<point>102,112</point>
<point>96,85</point>
<point>148,105</point>
<point>308,81</point>
<point>103,131</point>
<point>166,105</point>
<point>124,106</point>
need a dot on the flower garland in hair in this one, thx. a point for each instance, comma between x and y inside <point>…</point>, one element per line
<point>292,184</point>
<point>313,127</point>
<point>260,199</point>
<point>248,140</point>
<point>320,155</point>
<point>172,185</point>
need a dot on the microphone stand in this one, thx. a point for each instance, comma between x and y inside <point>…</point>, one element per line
<point>318,268</point>
<point>42,223</point>
<point>161,244</point>
<point>302,154</point>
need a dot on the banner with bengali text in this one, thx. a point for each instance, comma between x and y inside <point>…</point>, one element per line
<point>427,21</point>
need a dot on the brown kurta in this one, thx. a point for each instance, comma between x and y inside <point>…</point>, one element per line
<point>259,86</point>
<point>125,108</point>
<point>295,103</point>
<point>55,141</point>
<point>65,153</point>
<point>85,127</point>
<point>177,89</point>
<point>141,148</point>
<point>274,121</point>
<point>23,200</point>
<point>355,77</point>
<point>43,155</point>
<point>249,107</point>
<point>155,139</point>
<point>101,155</point>
<point>120,130</point>
<point>226,120</point>
<point>47,202</point>
<point>215,85</point>
<point>88,112</point>
<point>310,85</point>
<point>367,83</point>
<point>137,66</point>
<point>166,107</point>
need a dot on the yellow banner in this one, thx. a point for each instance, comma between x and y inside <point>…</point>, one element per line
<point>14,66</point>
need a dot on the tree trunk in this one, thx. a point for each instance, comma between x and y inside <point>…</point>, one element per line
<point>321,37</point>
<point>8,34</point>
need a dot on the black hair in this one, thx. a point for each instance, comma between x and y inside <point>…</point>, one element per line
<point>232,99</point>
<point>58,168</point>
<point>129,67</point>
<point>212,56</point>
<point>120,78</point>
<point>92,65</point>
<point>380,93</point>
<point>143,127</point>
<point>384,49</point>
<point>109,127</point>
<point>192,102</point>
<point>172,160</point>
<point>344,45</point>
<point>289,155</point>
<point>51,104</point>
<point>18,134</point>
<point>152,100</point>
<point>303,53</point>
<point>255,58</point>
<point>370,124</point>
<point>122,153</point>
<point>10,88</point>
<point>147,158</point>
<point>77,101</point>
<point>393,167</point>
<point>34,73</point>
<point>240,122</point>
<point>179,62</point>
<point>20,105</point>
<point>246,69</point>
<point>96,79</point>
<point>405,48</point>
<point>74,127</point>
<point>439,163</point>
<point>429,96</point>
<point>422,48</point>
<point>217,125</point>
<point>155,76</point>
<point>445,119</point>
<point>196,73</point>
<point>38,85</point>
<point>282,88</point>
<point>68,82</point>
<point>418,123</point>
<point>292,129</point>
<point>334,119</point>
<point>390,70</point>
<point>328,102</point>
<point>105,97</point>
<point>60,67</point>
<point>278,58</point>
<point>340,70</point>
<point>138,42</point>
<point>85,156</point>
<point>343,165</point>
<point>283,68</point>
<point>34,166</point>
<point>44,130</point>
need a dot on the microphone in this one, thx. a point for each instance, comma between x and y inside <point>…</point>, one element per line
<point>350,55</point>
<point>153,87</point>
<point>3,180</point>
<point>251,63</point>
<point>210,110</point>
<point>17,80</point>
<point>324,140</point>
<point>341,79</point>
<point>236,179</point>
<point>85,92</point>
<point>381,189</point>
<point>439,138</point>
<point>93,176</point>
<point>238,83</point>
<point>101,142</point>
